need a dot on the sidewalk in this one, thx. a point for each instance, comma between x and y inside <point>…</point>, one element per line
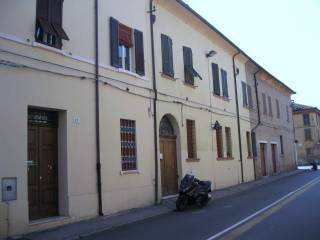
<point>86,228</point>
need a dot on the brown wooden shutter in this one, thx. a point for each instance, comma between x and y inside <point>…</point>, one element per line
<point>56,10</point>
<point>139,52</point>
<point>190,138</point>
<point>215,78</point>
<point>188,63</point>
<point>43,17</point>
<point>114,42</point>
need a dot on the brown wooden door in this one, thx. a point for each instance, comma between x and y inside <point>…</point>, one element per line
<point>42,171</point>
<point>274,157</point>
<point>263,159</point>
<point>169,173</point>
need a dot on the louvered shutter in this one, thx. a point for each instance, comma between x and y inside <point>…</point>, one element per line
<point>215,79</point>
<point>43,17</point>
<point>56,18</point>
<point>114,42</point>
<point>244,94</point>
<point>225,91</point>
<point>250,96</point>
<point>167,58</point>
<point>188,63</point>
<point>139,52</point>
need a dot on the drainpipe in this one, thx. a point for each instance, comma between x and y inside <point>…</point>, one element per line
<point>155,129</point>
<point>237,108</point>
<point>257,99</point>
<point>259,121</point>
<point>97,108</point>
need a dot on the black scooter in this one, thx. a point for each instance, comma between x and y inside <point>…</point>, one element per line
<point>314,166</point>
<point>191,191</point>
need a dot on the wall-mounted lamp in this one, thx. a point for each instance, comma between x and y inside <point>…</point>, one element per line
<point>216,125</point>
<point>211,54</point>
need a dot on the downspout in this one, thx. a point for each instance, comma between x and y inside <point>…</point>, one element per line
<point>257,99</point>
<point>97,108</point>
<point>258,124</point>
<point>238,114</point>
<point>155,129</point>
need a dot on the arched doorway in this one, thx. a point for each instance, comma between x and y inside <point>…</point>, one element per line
<point>168,159</point>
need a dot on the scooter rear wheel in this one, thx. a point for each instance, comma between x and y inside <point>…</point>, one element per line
<point>182,203</point>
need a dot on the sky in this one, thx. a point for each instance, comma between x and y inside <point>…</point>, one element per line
<point>283,36</point>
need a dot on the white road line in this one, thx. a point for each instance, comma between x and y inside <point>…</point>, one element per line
<point>260,211</point>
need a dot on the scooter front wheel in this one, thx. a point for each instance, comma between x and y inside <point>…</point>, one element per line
<point>182,203</point>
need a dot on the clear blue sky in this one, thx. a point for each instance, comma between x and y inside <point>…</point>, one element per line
<point>281,35</point>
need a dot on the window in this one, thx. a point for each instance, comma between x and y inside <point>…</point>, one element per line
<point>49,29</point>
<point>189,71</point>
<point>191,139</point>
<point>270,106</point>
<point>264,103</point>
<point>254,144</point>
<point>244,94</point>
<point>287,110</point>
<point>228,142</point>
<point>224,79</point>
<point>308,152</point>
<point>167,57</point>
<point>306,119</point>
<point>249,146</point>
<point>219,142</point>
<point>128,144</point>
<point>307,134</point>
<point>278,108</point>
<point>250,102</point>
<point>281,144</point>
<point>215,79</point>
<point>125,54</point>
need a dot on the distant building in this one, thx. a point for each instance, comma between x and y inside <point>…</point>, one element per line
<point>307,132</point>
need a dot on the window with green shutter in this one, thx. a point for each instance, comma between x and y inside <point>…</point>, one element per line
<point>215,79</point>
<point>167,56</point>
<point>224,80</point>
<point>189,71</point>
<point>244,94</point>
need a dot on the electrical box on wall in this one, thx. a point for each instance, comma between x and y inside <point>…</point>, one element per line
<point>9,189</point>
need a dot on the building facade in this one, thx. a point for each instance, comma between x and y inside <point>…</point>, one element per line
<point>272,124</point>
<point>108,112</point>
<point>307,132</point>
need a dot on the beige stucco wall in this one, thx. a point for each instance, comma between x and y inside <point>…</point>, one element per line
<point>190,32</point>
<point>272,127</point>
<point>73,97</point>
<point>300,135</point>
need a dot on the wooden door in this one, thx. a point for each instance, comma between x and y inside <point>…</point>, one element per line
<point>169,173</point>
<point>274,157</point>
<point>42,171</point>
<point>263,159</point>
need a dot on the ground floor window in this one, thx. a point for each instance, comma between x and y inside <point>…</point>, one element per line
<point>128,144</point>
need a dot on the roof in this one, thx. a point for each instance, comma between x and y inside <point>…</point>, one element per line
<point>296,108</point>
<point>192,11</point>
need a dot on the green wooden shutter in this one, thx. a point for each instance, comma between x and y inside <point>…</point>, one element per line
<point>139,52</point>
<point>224,78</point>
<point>244,94</point>
<point>114,42</point>
<point>167,58</point>
<point>215,79</point>
<point>188,63</point>
<point>249,91</point>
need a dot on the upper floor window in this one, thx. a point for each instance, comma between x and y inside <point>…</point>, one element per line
<point>224,80</point>
<point>247,95</point>
<point>49,29</point>
<point>167,56</point>
<point>308,134</point>
<point>127,49</point>
<point>288,117</point>
<point>278,108</point>
<point>270,106</point>
<point>216,81</point>
<point>189,71</point>
<point>264,103</point>
<point>306,119</point>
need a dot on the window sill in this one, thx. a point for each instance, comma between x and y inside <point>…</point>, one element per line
<point>120,70</point>
<point>52,49</point>
<point>190,85</point>
<point>168,77</point>
<point>225,158</point>
<point>250,157</point>
<point>122,173</point>
<point>193,159</point>
<point>221,97</point>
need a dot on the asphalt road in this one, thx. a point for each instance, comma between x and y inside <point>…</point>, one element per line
<point>296,217</point>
